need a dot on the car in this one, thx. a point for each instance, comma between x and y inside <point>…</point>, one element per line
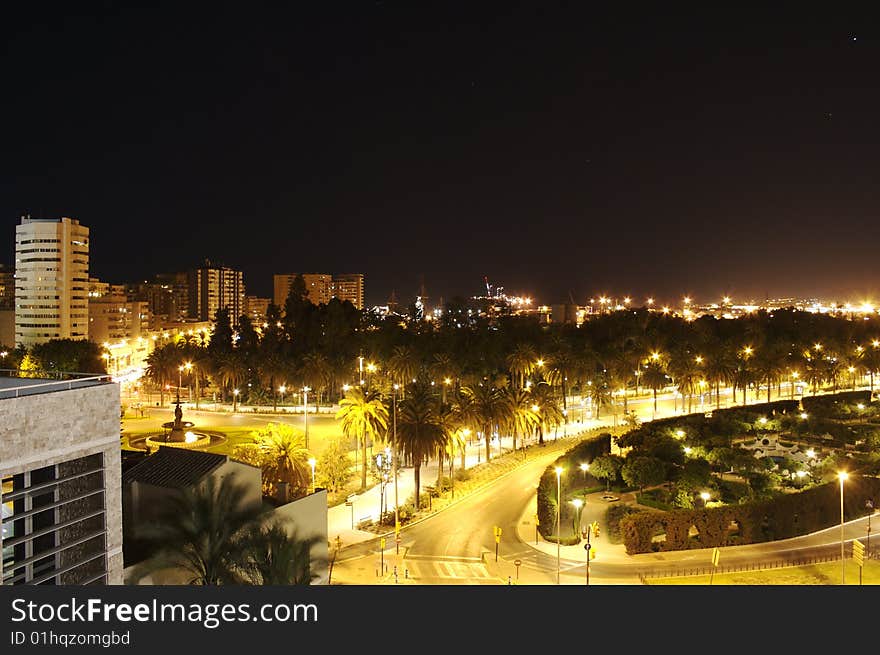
<point>610,497</point>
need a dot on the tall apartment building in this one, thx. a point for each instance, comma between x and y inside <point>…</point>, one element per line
<point>349,286</point>
<point>256,308</point>
<point>317,284</point>
<point>60,482</point>
<point>322,287</point>
<point>214,287</point>
<point>115,318</point>
<point>51,280</point>
<point>167,295</point>
<point>7,287</point>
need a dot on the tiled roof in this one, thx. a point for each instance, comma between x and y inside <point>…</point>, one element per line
<point>173,467</point>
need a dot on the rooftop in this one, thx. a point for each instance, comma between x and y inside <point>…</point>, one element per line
<point>12,386</point>
<point>173,467</point>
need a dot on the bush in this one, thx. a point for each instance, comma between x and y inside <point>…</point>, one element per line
<point>612,520</point>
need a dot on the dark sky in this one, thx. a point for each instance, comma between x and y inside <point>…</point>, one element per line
<point>553,147</point>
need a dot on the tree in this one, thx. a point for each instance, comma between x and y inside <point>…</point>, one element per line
<point>69,356</point>
<point>519,413</point>
<point>282,455</point>
<point>274,557</point>
<point>643,472</point>
<point>204,532</point>
<point>419,432</point>
<point>334,466</point>
<point>363,416</point>
<point>162,366</point>
<point>485,406</point>
<point>654,377</point>
<point>606,467</point>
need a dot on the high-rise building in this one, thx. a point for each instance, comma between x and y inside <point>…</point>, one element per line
<point>256,309</point>
<point>317,284</point>
<point>51,280</point>
<point>214,287</point>
<point>7,287</point>
<point>322,287</point>
<point>113,317</point>
<point>60,481</point>
<point>349,286</point>
<point>167,295</point>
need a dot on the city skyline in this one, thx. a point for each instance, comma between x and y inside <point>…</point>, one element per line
<point>555,150</point>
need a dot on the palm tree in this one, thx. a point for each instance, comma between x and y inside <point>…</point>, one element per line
<point>521,363</point>
<point>273,369</point>
<point>162,366</point>
<point>549,413</point>
<point>274,557</point>
<point>316,373</point>
<point>231,370</point>
<point>204,531</point>
<point>720,367</point>
<point>285,457</point>
<point>419,432</point>
<point>486,407</point>
<point>872,362</point>
<point>363,415</point>
<point>446,371</point>
<point>655,378</point>
<point>404,365</point>
<point>518,412</point>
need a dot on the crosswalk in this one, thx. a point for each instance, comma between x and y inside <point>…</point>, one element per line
<point>447,571</point>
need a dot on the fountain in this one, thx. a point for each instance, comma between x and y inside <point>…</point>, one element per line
<point>179,434</point>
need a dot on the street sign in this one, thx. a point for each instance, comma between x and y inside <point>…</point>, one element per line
<point>496,531</point>
<point>716,556</point>
<point>858,552</point>
<point>382,543</point>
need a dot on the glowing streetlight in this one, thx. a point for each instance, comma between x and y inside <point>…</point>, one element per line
<point>726,300</point>
<point>558,518</point>
<point>578,505</point>
<point>698,359</point>
<point>312,463</point>
<point>235,393</point>
<point>705,496</point>
<point>804,415</point>
<point>688,450</point>
<point>842,475</point>
<point>306,412</point>
<point>585,467</point>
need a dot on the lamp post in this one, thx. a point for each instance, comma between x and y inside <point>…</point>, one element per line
<point>585,467</point>
<point>312,464</point>
<point>558,518</point>
<point>235,393</point>
<point>306,412</point>
<point>394,443</point>
<point>578,505</point>
<point>842,475</point>
<point>869,504</point>
<point>282,389</point>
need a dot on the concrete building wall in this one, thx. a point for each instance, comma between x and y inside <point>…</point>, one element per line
<point>307,517</point>
<point>45,429</point>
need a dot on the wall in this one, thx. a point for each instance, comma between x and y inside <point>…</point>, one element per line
<point>49,428</point>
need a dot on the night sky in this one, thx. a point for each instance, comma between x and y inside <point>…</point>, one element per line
<point>555,148</point>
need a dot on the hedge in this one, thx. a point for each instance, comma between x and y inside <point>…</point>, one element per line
<point>585,451</point>
<point>829,405</point>
<point>786,516</point>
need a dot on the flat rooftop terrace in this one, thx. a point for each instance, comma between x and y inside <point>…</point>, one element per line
<point>13,386</point>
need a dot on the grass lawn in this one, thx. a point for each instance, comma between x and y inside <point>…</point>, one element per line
<point>825,573</point>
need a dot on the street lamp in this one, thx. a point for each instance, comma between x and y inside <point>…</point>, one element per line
<point>578,505</point>
<point>282,389</point>
<point>842,475</point>
<point>705,496</point>
<point>394,443</point>
<point>235,393</point>
<point>312,463</point>
<point>558,519</point>
<point>306,412</point>
<point>585,467</point>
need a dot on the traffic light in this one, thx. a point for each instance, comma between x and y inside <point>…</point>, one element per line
<point>595,526</point>
<point>593,552</point>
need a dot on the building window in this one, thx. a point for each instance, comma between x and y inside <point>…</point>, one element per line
<point>54,529</point>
